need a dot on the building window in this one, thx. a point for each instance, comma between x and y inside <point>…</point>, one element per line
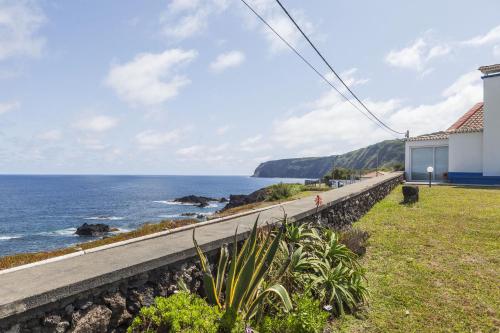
<point>421,158</point>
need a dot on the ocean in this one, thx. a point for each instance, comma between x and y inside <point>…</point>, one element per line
<point>40,213</point>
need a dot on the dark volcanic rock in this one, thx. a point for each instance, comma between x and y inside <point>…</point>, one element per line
<point>92,229</point>
<point>223,200</point>
<point>189,214</point>
<point>196,200</point>
<point>236,200</point>
<point>410,194</point>
<point>198,216</point>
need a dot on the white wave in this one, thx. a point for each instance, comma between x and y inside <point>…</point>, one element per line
<point>206,214</point>
<point>107,218</point>
<point>169,216</point>
<point>61,232</point>
<point>9,237</point>
<point>212,204</point>
<point>122,230</point>
<point>175,203</point>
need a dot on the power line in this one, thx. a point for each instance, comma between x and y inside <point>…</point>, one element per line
<point>309,64</point>
<point>333,71</point>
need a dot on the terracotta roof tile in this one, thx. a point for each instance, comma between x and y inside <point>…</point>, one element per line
<point>432,136</point>
<point>491,69</point>
<point>471,121</point>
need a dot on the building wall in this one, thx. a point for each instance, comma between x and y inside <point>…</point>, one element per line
<point>419,144</point>
<point>491,139</point>
<point>466,152</point>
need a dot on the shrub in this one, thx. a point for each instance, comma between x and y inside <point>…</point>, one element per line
<point>182,312</point>
<point>307,317</point>
<point>282,191</point>
<point>355,239</point>
<point>322,265</point>
<point>244,276</point>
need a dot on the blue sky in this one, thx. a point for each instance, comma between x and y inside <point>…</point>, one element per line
<point>201,87</point>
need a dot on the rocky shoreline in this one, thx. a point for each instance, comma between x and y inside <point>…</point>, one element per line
<point>199,201</point>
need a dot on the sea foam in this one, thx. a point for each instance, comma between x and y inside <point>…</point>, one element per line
<point>105,218</point>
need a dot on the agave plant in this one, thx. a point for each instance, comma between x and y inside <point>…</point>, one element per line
<point>331,249</point>
<point>321,264</point>
<point>339,286</point>
<point>300,233</point>
<point>246,270</point>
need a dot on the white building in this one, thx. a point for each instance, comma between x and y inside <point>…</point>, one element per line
<point>468,152</point>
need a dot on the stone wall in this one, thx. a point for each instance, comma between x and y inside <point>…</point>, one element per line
<point>343,214</point>
<point>110,308</point>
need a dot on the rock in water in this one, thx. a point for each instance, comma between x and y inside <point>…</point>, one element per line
<point>410,194</point>
<point>196,200</point>
<point>236,200</point>
<point>92,229</point>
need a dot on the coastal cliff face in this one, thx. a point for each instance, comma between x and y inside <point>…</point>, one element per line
<point>389,152</point>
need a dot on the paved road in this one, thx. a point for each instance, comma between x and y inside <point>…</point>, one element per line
<point>35,286</point>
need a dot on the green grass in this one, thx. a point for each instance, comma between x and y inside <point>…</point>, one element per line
<point>432,266</point>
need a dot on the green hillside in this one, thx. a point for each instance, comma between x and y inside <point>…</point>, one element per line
<point>389,152</point>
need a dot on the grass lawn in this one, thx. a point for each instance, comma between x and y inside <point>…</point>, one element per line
<point>433,266</point>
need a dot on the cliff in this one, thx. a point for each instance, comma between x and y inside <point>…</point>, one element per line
<point>390,152</point>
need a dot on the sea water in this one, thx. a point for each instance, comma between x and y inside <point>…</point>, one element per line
<point>40,213</point>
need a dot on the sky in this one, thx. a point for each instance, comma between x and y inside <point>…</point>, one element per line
<point>186,87</point>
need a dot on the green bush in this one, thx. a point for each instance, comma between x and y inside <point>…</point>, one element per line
<point>182,312</point>
<point>319,263</point>
<point>283,191</point>
<point>307,317</point>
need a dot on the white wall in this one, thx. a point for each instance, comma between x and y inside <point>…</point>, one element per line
<point>465,152</point>
<point>491,138</point>
<point>419,144</point>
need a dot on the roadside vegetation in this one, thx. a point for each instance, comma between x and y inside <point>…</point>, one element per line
<point>290,278</point>
<point>146,229</point>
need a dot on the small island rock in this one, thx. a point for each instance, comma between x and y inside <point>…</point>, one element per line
<point>93,229</point>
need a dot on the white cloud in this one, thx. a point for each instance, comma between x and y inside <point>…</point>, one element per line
<point>153,139</point>
<point>277,19</point>
<point>51,135</point>
<point>222,130</point>
<point>205,153</point>
<point>92,143</point>
<point>20,22</point>
<point>149,78</point>
<point>417,55</point>
<point>177,6</point>
<point>9,106</point>
<point>491,36</point>
<point>255,143</point>
<point>190,152</point>
<point>331,125</point>
<point>227,60</point>
<point>348,76</point>
<point>98,123</point>
<point>186,18</point>
<point>408,57</point>
<point>438,51</point>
